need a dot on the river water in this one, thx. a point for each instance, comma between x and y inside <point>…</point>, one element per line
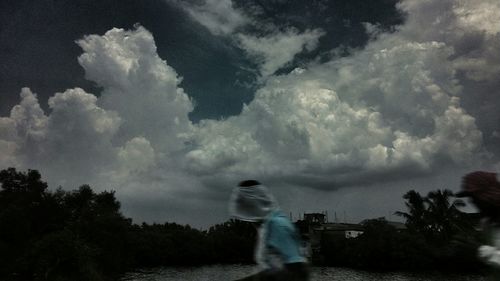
<point>232,272</point>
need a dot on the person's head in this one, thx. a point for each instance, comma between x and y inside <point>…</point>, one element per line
<point>251,201</point>
<point>484,191</point>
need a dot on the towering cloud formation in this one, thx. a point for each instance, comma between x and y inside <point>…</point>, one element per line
<point>140,114</point>
<point>394,107</point>
<point>403,106</point>
<point>27,123</point>
<point>138,85</point>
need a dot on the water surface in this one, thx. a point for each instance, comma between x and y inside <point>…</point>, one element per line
<point>232,272</point>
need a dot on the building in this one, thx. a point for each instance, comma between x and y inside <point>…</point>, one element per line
<point>315,230</point>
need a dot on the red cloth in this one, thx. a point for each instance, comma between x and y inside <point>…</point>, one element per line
<point>483,186</point>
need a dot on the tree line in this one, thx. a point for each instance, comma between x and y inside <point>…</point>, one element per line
<point>82,235</point>
<point>438,237</point>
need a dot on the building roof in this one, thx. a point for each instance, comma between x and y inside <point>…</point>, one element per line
<point>339,227</point>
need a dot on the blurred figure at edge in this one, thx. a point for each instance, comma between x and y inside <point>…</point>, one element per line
<point>484,191</point>
<point>278,252</point>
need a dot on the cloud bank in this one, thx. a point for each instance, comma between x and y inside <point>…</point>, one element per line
<point>392,110</point>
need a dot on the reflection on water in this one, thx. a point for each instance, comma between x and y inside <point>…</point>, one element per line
<point>231,272</point>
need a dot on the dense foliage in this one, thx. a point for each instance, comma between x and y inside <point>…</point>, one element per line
<point>81,235</point>
<point>438,236</point>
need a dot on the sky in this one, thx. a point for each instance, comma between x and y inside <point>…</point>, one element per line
<point>338,106</point>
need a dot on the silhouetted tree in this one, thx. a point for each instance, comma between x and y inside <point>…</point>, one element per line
<point>27,212</point>
<point>232,242</point>
<point>434,216</point>
<point>443,218</point>
<point>82,235</point>
<point>450,236</point>
<point>46,235</point>
<point>416,217</point>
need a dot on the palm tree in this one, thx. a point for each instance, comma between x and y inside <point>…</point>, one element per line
<point>416,215</point>
<point>434,216</point>
<point>444,218</point>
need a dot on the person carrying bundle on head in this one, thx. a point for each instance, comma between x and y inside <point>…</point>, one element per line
<point>278,250</point>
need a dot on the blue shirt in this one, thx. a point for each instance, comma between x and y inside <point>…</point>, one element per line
<point>279,242</point>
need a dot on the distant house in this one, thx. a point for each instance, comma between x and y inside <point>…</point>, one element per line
<point>315,227</point>
<point>352,233</point>
<point>309,233</point>
<point>345,230</point>
<point>315,218</point>
<point>317,223</point>
<point>399,226</point>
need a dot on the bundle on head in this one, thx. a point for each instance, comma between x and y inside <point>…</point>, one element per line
<point>483,187</point>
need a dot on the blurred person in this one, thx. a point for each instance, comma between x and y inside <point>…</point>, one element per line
<point>278,249</point>
<point>483,189</point>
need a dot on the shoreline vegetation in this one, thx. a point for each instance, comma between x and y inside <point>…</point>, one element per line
<point>82,235</point>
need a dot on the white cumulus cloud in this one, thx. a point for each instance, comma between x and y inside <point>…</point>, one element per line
<point>140,86</point>
<point>393,109</point>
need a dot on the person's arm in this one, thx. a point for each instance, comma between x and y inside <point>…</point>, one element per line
<point>491,253</point>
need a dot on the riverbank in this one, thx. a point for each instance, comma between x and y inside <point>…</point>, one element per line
<point>82,235</point>
<point>232,272</point>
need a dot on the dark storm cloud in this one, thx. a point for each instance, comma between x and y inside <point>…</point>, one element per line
<point>293,27</point>
<point>370,121</point>
<point>343,20</point>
